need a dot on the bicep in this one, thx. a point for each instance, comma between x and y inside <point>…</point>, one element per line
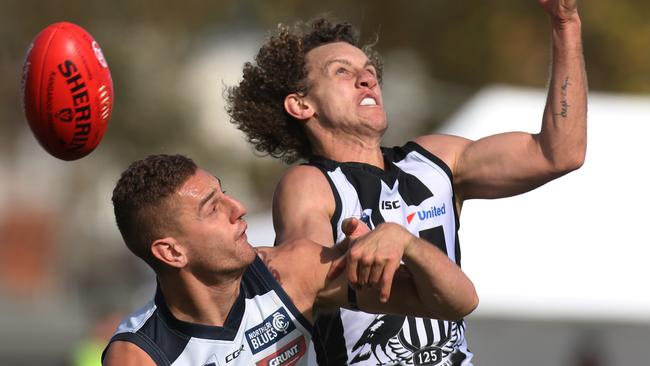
<point>121,353</point>
<point>495,166</point>
<point>503,165</point>
<point>303,204</point>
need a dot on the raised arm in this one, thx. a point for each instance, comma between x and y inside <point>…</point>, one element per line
<point>515,162</point>
<point>303,204</point>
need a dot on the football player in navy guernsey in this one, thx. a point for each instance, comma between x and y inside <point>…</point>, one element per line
<point>313,93</point>
<point>220,301</point>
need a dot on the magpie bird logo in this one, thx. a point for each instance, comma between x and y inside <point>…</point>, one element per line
<point>376,337</point>
<point>388,342</point>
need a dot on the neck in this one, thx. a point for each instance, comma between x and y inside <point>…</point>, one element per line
<point>194,301</point>
<point>349,148</point>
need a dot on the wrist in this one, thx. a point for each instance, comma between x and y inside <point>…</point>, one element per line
<point>410,245</point>
<point>570,25</point>
<point>567,35</point>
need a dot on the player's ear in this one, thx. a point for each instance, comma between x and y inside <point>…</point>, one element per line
<point>298,107</point>
<point>170,252</point>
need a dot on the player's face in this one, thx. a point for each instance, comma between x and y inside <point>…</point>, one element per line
<point>212,226</point>
<point>344,90</point>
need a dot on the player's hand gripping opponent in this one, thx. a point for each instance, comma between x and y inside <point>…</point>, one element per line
<point>390,254</point>
<point>372,257</point>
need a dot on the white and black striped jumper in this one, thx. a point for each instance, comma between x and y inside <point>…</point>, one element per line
<point>416,191</point>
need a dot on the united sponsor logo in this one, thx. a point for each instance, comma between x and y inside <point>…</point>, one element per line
<point>430,213</point>
<point>288,355</point>
<point>270,331</point>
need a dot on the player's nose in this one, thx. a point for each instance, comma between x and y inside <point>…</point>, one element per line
<point>366,79</point>
<point>237,209</point>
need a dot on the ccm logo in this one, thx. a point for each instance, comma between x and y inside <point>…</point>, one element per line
<point>389,205</point>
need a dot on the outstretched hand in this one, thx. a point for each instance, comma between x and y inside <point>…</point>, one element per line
<point>561,11</point>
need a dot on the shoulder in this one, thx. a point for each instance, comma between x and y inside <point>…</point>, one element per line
<point>302,181</point>
<point>293,255</point>
<point>121,353</point>
<point>446,147</point>
<point>303,203</point>
<point>302,178</point>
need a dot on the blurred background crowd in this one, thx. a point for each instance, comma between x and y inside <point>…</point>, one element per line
<point>65,275</point>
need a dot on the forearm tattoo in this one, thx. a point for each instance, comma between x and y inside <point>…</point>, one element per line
<point>564,103</point>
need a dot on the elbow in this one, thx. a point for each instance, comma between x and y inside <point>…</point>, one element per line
<point>575,160</point>
<point>564,155</point>
<point>568,162</point>
<point>471,305</point>
<point>462,308</point>
<point>468,306</point>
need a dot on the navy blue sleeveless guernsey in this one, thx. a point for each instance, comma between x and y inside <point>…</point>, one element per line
<point>263,328</point>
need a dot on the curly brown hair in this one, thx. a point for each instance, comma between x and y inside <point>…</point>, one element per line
<point>142,211</point>
<point>256,105</point>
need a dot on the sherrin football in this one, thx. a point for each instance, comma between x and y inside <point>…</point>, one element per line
<point>67,91</point>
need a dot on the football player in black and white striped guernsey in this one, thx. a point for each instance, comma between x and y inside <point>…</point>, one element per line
<point>314,93</point>
<point>219,301</point>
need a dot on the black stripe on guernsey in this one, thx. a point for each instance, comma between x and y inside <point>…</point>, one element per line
<point>413,331</point>
<point>335,353</point>
<point>428,329</point>
<point>444,334</point>
<point>262,271</point>
<point>368,187</point>
<point>436,236</point>
<point>412,146</point>
<point>411,189</point>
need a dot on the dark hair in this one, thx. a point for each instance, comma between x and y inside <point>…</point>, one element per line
<point>256,105</point>
<point>142,211</point>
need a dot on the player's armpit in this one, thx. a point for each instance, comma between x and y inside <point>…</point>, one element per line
<point>121,353</point>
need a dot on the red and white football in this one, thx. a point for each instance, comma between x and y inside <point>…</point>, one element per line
<point>67,91</point>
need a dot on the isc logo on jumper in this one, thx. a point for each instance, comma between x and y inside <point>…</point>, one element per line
<point>288,355</point>
<point>390,205</point>
<point>427,214</point>
<point>271,330</point>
